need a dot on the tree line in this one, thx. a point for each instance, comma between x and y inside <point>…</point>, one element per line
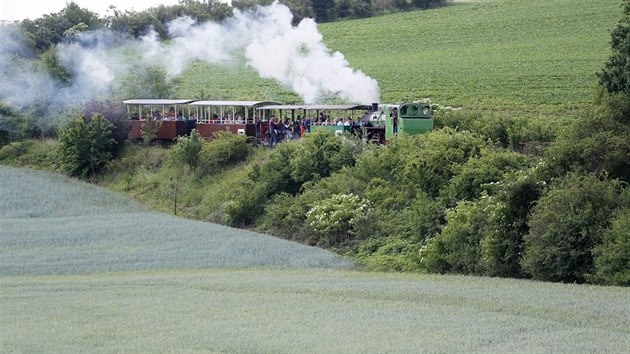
<point>49,30</point>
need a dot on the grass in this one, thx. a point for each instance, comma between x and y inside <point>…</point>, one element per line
<point>318,311</point>
<point>55,225</point>
<point>85,270</point>
<point>502,54</point>
<point>534,57</point>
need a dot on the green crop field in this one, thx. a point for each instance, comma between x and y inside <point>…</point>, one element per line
<point>55,225</point>
<point>85,270</point>
<point>534,56</point>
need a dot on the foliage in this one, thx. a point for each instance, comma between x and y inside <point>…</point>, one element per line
<point>148,131</point>
<point>597,143</point>
<point>615,76</point>
<point>290,166</point>
<point>477,175</point>
<point>47,31</point>
<point>334,219</point>
<point>135,24</point>
<point>567,224</point>
<point>187,150</point>
<point>320,154</point>
<point>114,112</point>
<point>389,254</point>
<point>507,131</point>
<point>457,248</point>
<point>86,146</point>
<point>612,255</point>
<point>34,154</point>
<point>51,63</point>
<point>225,149</point>
<point>437,157</point>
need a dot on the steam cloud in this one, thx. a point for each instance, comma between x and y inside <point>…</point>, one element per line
<point>294,56</point>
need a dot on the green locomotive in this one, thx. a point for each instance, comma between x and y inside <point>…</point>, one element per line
<point>408,118</point>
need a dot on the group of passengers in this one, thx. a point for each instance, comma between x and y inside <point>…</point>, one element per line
<point>278,131</point>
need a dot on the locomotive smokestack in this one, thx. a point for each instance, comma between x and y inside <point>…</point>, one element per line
<point>374,107</point>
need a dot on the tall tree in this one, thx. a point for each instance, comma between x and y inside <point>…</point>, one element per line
<point>615,77</point>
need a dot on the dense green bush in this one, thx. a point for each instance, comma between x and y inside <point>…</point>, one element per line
<point>436,158</point>
<point>86,146</point>
<point>115,113</point>
<point>291,166</point>
<point>187,150</point>
<point>37,154</point>
<point>246,204</point>
<point>506,131</point>
<point>457,248</point>
<point>478,173</point>
<point>596,143</point>
<point>389,254</point>
<point>567,224</point>
<point>612,255</point>
<point>615,76</point>
<point>334,219</point>
<point>225,149</point>
<point>485,236</point>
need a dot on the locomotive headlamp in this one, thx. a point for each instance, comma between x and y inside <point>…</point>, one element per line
<point>425,110</point>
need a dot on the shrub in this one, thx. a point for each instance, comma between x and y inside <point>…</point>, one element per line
<point>506,131</point>
<point>85,147</point>
<point>115,113</point>
<point>389,254</point>
<point>567,224</point>
<point>612,256</point>
<point>597,143</point>
<point>246,204</point>
<point>11,152</point>
<point>436,158</point>
<point>320,154</point>
<point>615,76</point>
<point>187,150</point>
<point>502,244</point>
<point>457,248</point>
<point>474,176</point>
<point>333,219</point>
<point>225,149</point>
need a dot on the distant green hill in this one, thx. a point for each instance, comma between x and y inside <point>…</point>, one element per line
<point>55,225</point>
<point>505,55</point>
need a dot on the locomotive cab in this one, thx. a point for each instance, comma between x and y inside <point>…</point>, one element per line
<point>409,118</point>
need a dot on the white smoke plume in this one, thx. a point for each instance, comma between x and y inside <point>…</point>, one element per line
<point>294,56</point>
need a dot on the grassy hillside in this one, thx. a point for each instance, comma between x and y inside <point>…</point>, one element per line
<point>499,53</point>
<point>55,225</point>
<point>85,270</point>
<point>508,55</point>
<point>297,311</point>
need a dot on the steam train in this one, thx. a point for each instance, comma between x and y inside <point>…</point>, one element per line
<point>381,122</point>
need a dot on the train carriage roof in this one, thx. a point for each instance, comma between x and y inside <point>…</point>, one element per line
<point>157,102</point>
<point>233,103</point>
<point>339,107</point>
<point>283,106</point>
<point>320,107</point>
